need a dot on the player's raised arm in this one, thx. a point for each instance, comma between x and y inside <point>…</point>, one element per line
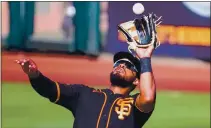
<point>43,85</point>
<point>54,91</point>
<point>146,99</point>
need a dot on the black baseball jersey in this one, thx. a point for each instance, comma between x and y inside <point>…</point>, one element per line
<point>92,108</point>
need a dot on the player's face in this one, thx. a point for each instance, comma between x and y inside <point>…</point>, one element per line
<point>123,74</point>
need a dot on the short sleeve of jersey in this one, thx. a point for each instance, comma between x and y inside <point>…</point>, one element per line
<point>140,117</point>
<point>68,95</point>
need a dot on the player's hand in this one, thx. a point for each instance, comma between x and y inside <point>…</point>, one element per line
<point>144,52</point>
<point>29,67</point>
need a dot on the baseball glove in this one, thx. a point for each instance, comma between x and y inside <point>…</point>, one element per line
<point>141,32</point>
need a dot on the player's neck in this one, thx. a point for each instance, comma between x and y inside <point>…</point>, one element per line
<point>119,90</point>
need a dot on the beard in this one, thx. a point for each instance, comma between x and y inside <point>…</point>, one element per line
<point>118,80</point>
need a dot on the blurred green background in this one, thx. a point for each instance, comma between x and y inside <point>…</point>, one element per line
<point>22,107</point>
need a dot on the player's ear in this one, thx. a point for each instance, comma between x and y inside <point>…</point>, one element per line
<point>136,82</point>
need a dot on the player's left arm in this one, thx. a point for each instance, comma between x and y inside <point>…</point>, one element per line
<point>145,101</point>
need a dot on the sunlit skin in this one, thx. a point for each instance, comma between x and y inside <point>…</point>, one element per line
<point>125,73</point>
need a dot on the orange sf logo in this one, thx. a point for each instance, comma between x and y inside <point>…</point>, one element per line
<point>124,107</point>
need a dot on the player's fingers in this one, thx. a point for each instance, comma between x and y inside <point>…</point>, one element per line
<point>20,61</point>
<point>24,64</point>
<point>26,61</point>
<point>17,61</point>
<point>31,66</point>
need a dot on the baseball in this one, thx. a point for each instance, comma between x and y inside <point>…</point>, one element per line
<point>138,8</point>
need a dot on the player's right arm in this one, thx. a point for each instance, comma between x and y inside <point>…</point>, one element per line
<point>63,94</point>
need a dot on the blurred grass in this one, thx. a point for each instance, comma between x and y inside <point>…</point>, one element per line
<point>22,107</point>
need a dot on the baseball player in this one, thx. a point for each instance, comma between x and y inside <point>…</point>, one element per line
<point>112,107</point>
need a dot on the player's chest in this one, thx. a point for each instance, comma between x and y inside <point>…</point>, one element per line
<point>108,110</point>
